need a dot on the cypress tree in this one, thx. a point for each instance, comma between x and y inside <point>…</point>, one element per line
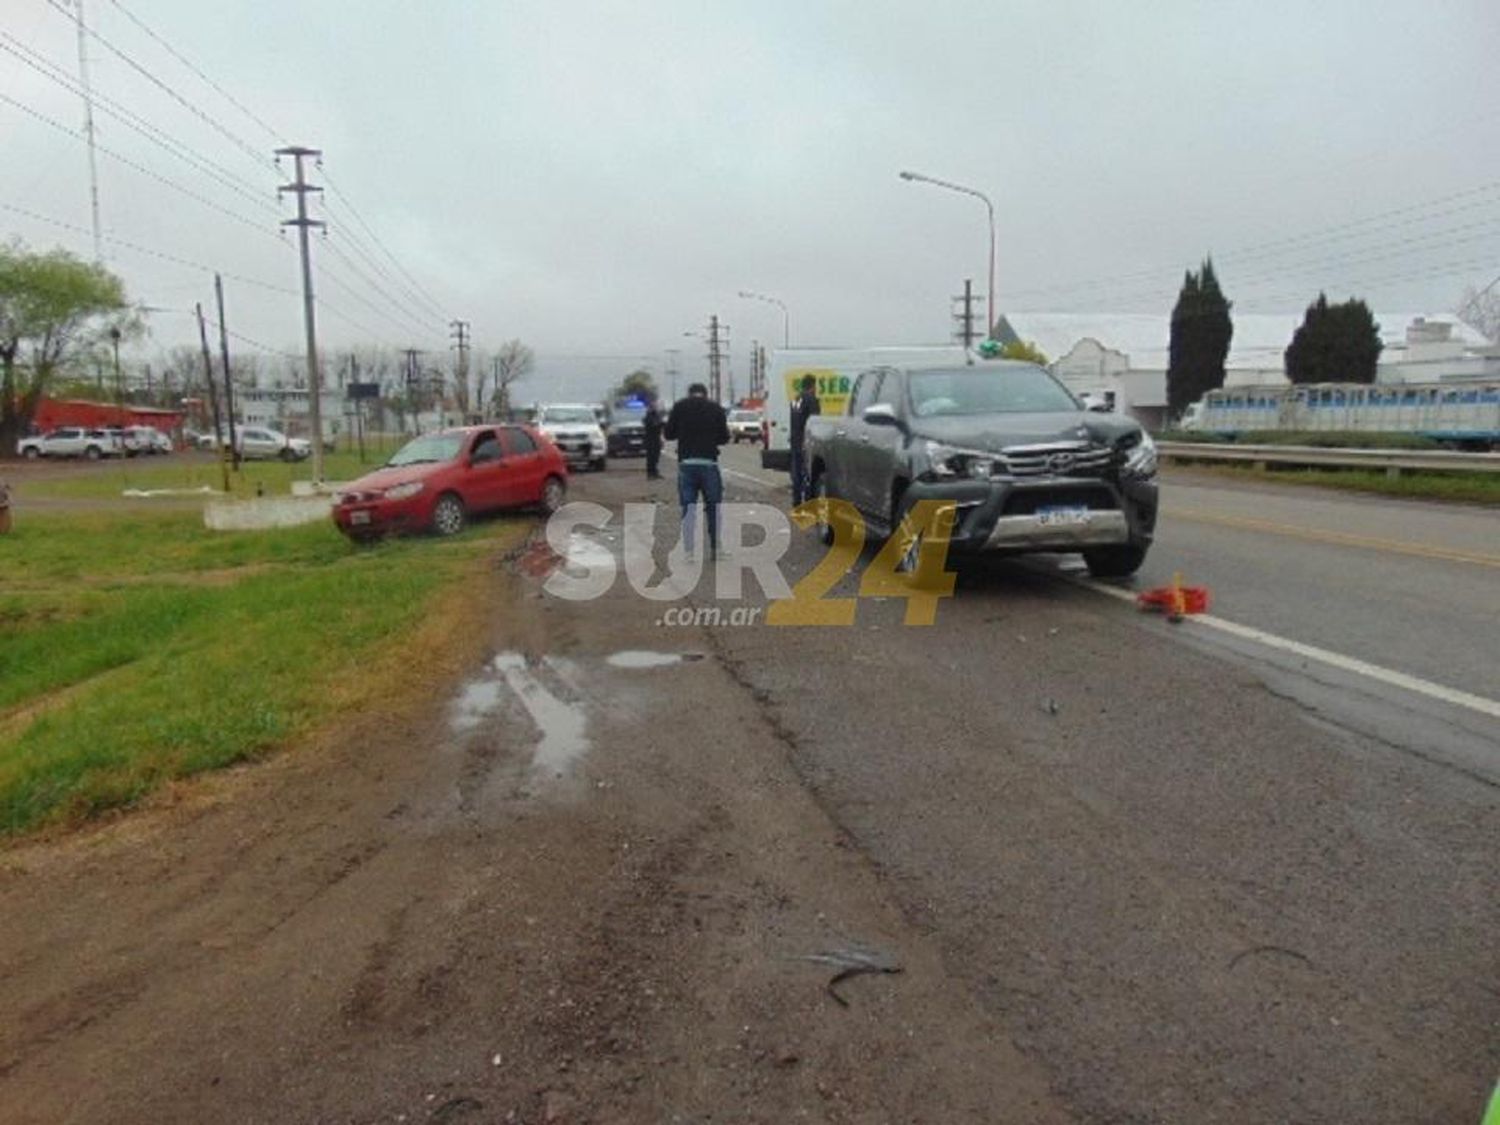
<point>1201,334</point>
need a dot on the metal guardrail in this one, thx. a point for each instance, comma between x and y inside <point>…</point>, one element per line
<point>1393,461</point>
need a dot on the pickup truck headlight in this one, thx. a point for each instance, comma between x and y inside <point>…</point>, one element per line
<point>1140,459</point>
<point>404,491</point>
<point>947,463</point>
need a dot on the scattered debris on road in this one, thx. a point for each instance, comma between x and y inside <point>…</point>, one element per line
<point>852,963</point>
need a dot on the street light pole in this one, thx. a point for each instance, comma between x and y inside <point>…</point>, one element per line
<point>786,317</point>
<point>918,177</point>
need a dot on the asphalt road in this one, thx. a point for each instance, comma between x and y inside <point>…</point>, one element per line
<point>598,860</point>
<point>1198,874</point>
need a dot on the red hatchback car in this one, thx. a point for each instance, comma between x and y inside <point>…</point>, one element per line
<point>438,480</point>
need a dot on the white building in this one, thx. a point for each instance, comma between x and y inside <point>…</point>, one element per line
<point>287,409</point>
<point>1122,357</point>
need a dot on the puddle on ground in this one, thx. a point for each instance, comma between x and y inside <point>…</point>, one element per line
<point>478,699</point>
<point>562,724</point>
<point>637,658</point>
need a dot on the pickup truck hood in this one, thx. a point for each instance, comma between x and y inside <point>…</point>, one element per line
<point>994,432</point>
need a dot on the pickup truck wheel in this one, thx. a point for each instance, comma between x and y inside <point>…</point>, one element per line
<point>93,453</point>
<point>288,454</point>
<point>1115,562</point>
<point>448,515</point>
<point>32,453</point>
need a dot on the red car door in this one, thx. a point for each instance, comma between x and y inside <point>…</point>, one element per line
<point>485,478</point>
<point>524,464</point>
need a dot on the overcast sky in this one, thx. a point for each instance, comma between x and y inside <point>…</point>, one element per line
<point>599,178</point>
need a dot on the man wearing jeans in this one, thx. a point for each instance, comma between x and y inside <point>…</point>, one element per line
<point>699,427</point>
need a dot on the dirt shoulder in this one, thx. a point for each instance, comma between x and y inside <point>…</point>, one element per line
<point>557,890</point>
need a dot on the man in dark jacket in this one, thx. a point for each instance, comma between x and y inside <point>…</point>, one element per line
<point>803,407</point>
<point>699,427</point>
<point>651,421</point>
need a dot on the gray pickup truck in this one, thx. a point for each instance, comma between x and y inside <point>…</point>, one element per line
<point>1027,467</point>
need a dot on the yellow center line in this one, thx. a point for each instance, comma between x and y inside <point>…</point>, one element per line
<point>1339,538</point>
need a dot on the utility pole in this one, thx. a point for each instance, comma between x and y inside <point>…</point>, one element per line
<point>718,345</point>
<point>234,449</point>
<point>461,338</point>
<point>213,395</point>
<point>413,377</point>
<point>88,129</point>
<point>965,316</point>
<point>303,223</point>
<point>671,372</point>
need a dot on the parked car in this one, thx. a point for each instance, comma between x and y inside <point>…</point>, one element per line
<point>259,443</point>
<point>626,436</point>
<point>574,428</point>
<point>1028,468</point>
<point>71,441</point>
<point>138,441</point>
<point>437,481</point>
<point>746,425</point>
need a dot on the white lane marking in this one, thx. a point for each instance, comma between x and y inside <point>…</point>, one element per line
<point>1323,656</point>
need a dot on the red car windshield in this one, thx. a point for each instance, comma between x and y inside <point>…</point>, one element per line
<point>425,450</point>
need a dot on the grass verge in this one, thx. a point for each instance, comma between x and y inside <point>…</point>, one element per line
<point>144,648</point>
<point>1459,488</point>
<point>192,470</point>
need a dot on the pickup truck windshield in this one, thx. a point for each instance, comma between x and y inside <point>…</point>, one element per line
<point>973,390</point>
<point>575,415</point>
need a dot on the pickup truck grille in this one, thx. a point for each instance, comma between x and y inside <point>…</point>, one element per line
<point>1068,460</point>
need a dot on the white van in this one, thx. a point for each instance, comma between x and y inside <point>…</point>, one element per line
<point>835,369</point>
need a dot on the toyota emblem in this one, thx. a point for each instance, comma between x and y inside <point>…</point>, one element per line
<point>1060,462</point>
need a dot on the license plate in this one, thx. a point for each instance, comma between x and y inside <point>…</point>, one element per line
<point>359,517</point>
<point>1055,517</point>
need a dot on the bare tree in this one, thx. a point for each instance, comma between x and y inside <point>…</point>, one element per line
<point>1480,309</point>
<point>512,363</point>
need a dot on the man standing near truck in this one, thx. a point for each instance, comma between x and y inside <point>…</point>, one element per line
<point>804,406</point>
<point>651,423</point>
<point>698,426</point>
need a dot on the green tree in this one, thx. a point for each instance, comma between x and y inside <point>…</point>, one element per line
<point>1201,332</point>
<point>1025,350</point>
<point>53,308</point>
<point>639,383</point>
<point>1334,344</point>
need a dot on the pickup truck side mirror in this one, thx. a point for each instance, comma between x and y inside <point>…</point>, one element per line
<point>1099,408</point>
<point>882,414</point>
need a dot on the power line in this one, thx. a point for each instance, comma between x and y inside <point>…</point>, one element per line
<point>1255,251</point>
<point>129,163</point>
<point>416,294</point>
<point>147,250</point>
<point>223,93</point>
<point>395,304</point>
<point>213,123</point>
<point>160,137</point>
<point>344,199</point>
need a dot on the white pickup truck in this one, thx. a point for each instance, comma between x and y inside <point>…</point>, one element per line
<point>71,441</point>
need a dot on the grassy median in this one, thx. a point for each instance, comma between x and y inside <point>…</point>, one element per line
<point>193,471</point>
<point>135,649</point>
<point>1453,487</point>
